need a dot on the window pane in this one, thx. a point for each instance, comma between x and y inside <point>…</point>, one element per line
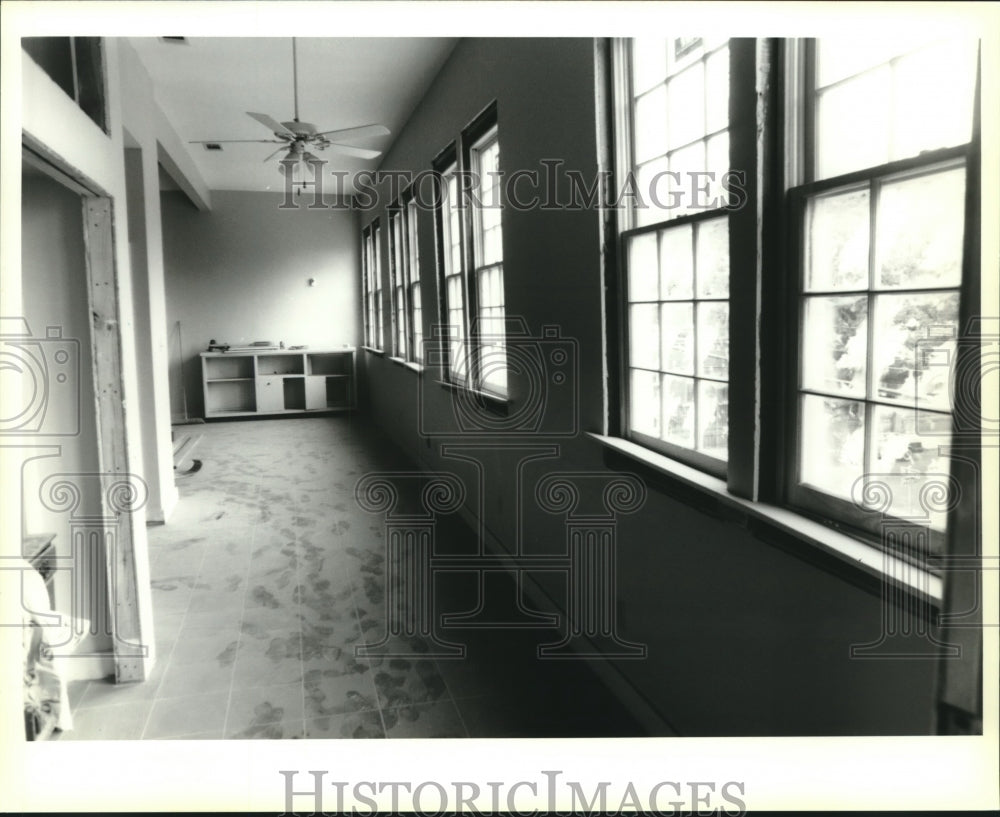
<point>653,191</point>
<point>841,57</point>
<point>676,264</point>
<point>919,231</point>
<point>492,250</point>
<point>713,340</point>
<point>684,162</point>
<point>650,126</point>
<point>906,460</point>
<point>838,242</point>
<point>677,338</point>
<point>642,271</point>
<point>644,403</point>
<point>933,94</point>
<point>852,128</point>
<point>713,419</point>
<point>835,343</point>
<point>644,336</point>
<point>649,63</point>
<point>717,91</point>
<point>713,258</point>
<point>686,106</point>
<point>832,444</point>
<point>678,410</point>
<point>909,332</point>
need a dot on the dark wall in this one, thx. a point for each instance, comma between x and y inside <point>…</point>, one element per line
<point>744,638</point>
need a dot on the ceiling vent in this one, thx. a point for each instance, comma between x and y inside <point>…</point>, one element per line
<point>174,40</point>
<point>213,146</point>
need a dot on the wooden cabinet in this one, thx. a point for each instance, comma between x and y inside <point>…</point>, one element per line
<point>244,382</point>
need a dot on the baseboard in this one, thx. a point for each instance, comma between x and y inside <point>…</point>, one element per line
<point>88,667</point>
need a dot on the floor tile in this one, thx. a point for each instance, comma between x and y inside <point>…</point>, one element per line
<point>181,680</point>
<point>120,721</point>
<point>219,647</point>
<point>354,726</point>
<point>436,720</point>
<point>331,693</point>
<point>173,717</point>
<point>260,705</point>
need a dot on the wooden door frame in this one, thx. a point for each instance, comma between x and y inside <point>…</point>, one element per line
<point>130,644</point>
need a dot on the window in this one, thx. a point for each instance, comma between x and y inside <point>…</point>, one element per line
<point>453,289</point>
<point>674,156</point>
<point>470,229</point>
<point>824,251</point>
<point>397,283</point>
<point>416,319</point>
<point>881,219</point>
<point>371,269</point>
<point>487,244</point>
<point>75,64</point>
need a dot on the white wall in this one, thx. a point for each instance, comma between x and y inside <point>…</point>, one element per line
<point>239,274</point>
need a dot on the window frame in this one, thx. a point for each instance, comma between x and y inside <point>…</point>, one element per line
<point>398,277</point>
<point>764,347</point>
<point>919,543</point>
<point>481,134</point>
<point>738,468</point>
<point>446,166</point>
<point>371,272</point>
<point>414,294</point>
<point>457,161</point>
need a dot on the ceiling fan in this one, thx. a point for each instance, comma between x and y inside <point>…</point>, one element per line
<point>296,136</point>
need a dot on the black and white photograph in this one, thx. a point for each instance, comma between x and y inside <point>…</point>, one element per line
<point>500,407</point>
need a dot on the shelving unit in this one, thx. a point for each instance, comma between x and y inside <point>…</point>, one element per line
<point>249,382</point>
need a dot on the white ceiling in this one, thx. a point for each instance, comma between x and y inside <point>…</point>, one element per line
<point>206,86</point>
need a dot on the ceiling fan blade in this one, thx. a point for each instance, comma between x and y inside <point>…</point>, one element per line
<point>360,132</point>
<point>272,125</point>
<point>349,150</point>
<point>272,155</point>
<point>237,141</point>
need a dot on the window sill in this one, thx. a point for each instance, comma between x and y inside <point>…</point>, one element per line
<point>492,402</point>
<point>379,352</point>
<point>873,562</point>
<point>409,364</point>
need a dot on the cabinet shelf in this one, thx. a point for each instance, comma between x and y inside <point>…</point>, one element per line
<point>278,382</point>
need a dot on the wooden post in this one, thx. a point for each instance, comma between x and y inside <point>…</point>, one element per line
<point>129,651</point>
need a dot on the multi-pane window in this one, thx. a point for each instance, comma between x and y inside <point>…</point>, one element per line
<point>377,276</point>
<point>679,117</point>
<point>881,272</point>
<point>888,98</point>
<point>678,319</point>
<point>487,241</point>
<point>368,268</point>
<point>676,245</point>
<point>371,270</point>
<point>416,320</point>
<point>397,283</point>
<point>844,256</point>
<point>453,277</point>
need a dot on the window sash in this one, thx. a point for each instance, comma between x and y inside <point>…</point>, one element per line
<point>487,274</point>
<point>830,503</point>
<point>412,283</point>
<point>765,350</point>
<point>397,278</point>
<point>453,279</point>
<point>688,418</point>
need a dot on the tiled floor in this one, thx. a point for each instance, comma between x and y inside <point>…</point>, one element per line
<point>269,575</point>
